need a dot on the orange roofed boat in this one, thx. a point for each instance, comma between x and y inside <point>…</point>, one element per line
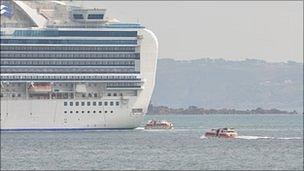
<point>222,133</point>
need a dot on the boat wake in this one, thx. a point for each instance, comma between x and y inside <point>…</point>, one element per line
<point>159,130</point>
<point>262,137</point>
<point>203,137</point>
<point>290,138</point>
<point>253,137</point>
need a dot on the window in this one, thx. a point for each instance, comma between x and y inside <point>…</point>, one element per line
<point>88,103</point>
<point>100,111</point>
<point>78,16</point>
<point>117,103</point>
<point>77,111</point>
<point>95,16</point>
<point>111,111</point>
<point>76,103</point>
<point>106,103</point>
<point>71,103</point>
<point>88,111</point>
<point>94,103</point>
<point>99,103</point>
<point>82,103</point>
<point>65,103</point>
<point>94,111</point>
<point>65,112</point>
<point>109,94</point>
<point>115,94</point>
<point>106,111</point>
<point>71,111</point>
<point>111,103</point>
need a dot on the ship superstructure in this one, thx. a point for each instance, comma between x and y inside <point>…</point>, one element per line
<point>65,67</point>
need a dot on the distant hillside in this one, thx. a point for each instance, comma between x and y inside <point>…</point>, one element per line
<point>229,84</point>
<point>164,110</point>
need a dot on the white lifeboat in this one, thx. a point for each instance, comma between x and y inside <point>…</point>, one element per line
<point>40,88</point>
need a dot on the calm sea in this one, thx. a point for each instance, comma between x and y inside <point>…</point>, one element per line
<point>265,142</point>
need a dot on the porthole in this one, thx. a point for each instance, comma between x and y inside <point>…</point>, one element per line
<point>111,111</point>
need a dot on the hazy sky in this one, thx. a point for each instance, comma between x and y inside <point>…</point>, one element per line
<point>272,31</point>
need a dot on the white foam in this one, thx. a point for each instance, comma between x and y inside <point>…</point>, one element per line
<point>290,138</point>
<point>261,137</point>
<point>253,137</point>
<point>203,137</point>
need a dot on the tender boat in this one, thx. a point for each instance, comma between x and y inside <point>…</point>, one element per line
<point>157,124</point>
<point>222,133</point>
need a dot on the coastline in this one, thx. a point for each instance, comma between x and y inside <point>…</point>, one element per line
<point>194,110</point>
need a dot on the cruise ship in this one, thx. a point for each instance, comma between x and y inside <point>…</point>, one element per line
<point>66,67</point>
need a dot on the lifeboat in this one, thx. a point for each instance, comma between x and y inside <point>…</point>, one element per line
<point>157,124</point>
<point>222,133</point>
<point>40,88</point>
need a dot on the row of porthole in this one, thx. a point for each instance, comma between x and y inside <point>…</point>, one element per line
<point>11,95</point>
<point>111,103</point>
<point>94,111</point>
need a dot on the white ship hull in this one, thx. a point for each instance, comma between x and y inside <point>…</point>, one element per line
<point>50,114</point>
<point>49,84</point>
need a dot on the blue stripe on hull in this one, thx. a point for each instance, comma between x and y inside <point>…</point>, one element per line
<point>65,129</point>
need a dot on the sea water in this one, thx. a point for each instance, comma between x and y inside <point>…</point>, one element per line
<point>265,142</point>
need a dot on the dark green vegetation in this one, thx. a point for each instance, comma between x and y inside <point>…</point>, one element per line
<point>247,84</point>
<point>196,110</point>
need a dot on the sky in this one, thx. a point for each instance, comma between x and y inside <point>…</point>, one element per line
<point>232,30</point>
